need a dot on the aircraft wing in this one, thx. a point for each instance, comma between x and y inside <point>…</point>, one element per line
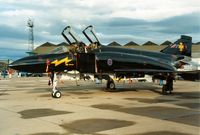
<point>189,71</point>
<point>144,70</point>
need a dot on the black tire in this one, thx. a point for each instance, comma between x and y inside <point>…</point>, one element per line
<point>52,94</point>
<point>111,85</point>
<point>57,94</point>
<point>164,89</point>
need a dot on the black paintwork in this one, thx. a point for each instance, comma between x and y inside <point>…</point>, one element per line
<point>122,59</point>
<point>105,59</point>
<point>127,61</point>
<point>38,63</point>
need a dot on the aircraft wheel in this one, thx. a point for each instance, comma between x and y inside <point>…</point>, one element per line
<point>111,85</point>
<point>52,94</point>
<point>56,94</point>
<point>164,89</point>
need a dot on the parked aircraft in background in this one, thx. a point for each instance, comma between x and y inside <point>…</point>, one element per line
<point>104,61</point>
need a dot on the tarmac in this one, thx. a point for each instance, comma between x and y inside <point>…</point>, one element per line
<point>27,108</point>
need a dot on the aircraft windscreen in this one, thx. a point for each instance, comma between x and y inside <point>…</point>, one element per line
<point>60,49</point>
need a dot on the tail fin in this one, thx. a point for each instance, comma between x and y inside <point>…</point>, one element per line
<point>182,46</point>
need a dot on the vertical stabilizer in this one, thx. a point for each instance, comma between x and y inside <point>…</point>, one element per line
<point>182,46</point>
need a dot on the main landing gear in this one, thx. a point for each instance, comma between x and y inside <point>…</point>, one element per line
<point>110,84</point>
<point>168,87</point>
<point>166,90</point>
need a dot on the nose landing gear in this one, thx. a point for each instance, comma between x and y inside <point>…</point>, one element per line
<point>56,94</point>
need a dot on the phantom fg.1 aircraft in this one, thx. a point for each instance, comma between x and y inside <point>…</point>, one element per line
<point>104,61</point>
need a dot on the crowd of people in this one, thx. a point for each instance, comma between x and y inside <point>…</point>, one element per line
<point>6,73</point>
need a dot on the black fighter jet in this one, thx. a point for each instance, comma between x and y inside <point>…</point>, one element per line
<point>103,61</point>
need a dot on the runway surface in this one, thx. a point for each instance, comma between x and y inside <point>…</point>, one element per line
<point>27,108</point>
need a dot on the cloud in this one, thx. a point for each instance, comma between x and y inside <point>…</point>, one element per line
<point>15,13</point>
<point>142,30</point>
<point>8,32</point>
<point>122,21</point>
<point>12,54</point>
<point>185,24</point>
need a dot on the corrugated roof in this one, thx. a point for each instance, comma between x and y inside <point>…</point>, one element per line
<point>149,43</point>
<point>114,44</point>
<point>131,43</point>
<point>48,44</point>
<point>166,43</point>
<point>197,43</point>
<point>48,47</point>
<point>63,44</point>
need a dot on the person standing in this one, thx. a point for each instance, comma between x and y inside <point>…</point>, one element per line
<point>4,72</point>
<point>169,83</point>
<point>0,74</point>
<point>9,73</point>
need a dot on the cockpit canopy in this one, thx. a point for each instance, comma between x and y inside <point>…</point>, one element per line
<point>60,49</point>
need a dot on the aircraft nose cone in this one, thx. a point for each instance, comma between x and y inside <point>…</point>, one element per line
<point>10,65</point>
<point>13,65</point>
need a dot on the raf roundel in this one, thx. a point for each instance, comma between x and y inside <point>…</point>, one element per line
<point>109,62</point>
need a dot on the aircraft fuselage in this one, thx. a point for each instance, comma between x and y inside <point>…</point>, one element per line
<point>105,59</point>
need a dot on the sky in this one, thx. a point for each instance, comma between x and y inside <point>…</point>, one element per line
<point>114,20</point>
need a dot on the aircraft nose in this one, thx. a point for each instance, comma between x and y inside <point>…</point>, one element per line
<point>10,65</point>
<point>29,64</point>
<point>14,65</point>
